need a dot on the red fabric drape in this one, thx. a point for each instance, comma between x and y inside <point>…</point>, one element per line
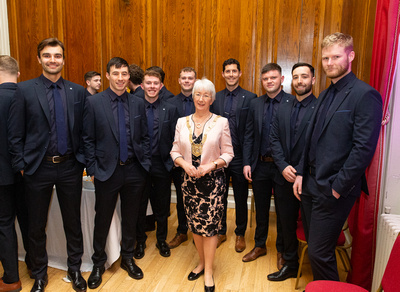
<point>363,218</point>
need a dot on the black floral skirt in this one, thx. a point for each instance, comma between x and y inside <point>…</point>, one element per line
<point>202,199</point>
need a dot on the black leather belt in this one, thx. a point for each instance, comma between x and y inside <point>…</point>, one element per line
<point>311,170</point>
<point>128,161</point>
<point>58,159</point>
<point>266,158</point>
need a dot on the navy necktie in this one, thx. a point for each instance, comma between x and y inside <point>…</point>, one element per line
<point>123,143</point>
<point>266,127</point>
<point>188,107</point>
<point>150,123</point>
<point>60,121</point>
<point>293,121</point>
<point>228,105</point>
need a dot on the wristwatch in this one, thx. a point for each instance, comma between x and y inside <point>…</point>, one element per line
<point>216,164</point>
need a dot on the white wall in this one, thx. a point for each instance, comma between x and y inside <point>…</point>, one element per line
<point>4,35</point>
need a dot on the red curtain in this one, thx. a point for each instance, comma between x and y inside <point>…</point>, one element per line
<point>364,215</point>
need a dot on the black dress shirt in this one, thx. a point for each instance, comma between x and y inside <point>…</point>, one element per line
<point>155,140</point>
<point>232,119</point>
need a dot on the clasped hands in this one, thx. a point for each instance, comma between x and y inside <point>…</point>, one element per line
<point>199,171</point>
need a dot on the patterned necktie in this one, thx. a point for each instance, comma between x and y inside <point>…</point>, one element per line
<point>293,121</point>
<point>60,121</point>
<point>150,123</point>
<point>123,144</point>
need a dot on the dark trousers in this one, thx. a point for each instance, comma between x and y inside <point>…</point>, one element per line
<point>8,237</point>
<point>22,214</point>
<point>67,177</point>
<point>240,192</point>
<point>324,217</point>
<point>177,176</point>
<point>287,211</point>
<point>263,183</point>
<point>158,189</point>
<point>129,181</point>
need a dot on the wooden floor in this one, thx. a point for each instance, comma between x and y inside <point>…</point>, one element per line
<point>170,274</point>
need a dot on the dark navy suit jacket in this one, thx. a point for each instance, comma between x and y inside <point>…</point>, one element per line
<point>7,91</point>
<point>280,134</point>
<point>242,109</point>
<point>348,138</point>
<point>29,123</point>
<point>101,138</point>
<point>167,117</point>
<point>253,136</point>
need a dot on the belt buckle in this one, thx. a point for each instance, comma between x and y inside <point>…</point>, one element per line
<point>56,159</point>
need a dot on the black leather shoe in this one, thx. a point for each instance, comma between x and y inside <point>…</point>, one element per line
<point>40,284</point>
<point>94,280</point>
<point>78,283</point>
<point>194,276</point>
<point>133,270</point>
<point>164,248</point>
<point>138,253</point>
<point>285,273</point>
<point>209,288</point>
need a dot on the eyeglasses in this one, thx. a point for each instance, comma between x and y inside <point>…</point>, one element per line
<point>198,95</point>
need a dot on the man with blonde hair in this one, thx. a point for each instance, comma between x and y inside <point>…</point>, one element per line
<point>339,145</point>
<point>10,281</point>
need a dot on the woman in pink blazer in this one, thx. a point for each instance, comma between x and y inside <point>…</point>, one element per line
<point>203,148</point>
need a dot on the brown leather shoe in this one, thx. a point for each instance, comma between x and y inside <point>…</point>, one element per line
<point>240,244</point>
<point>280,261</point>
<point>177,240</point>
<point>221,239</point>
<point>10,287</point>
<point>254,254</point>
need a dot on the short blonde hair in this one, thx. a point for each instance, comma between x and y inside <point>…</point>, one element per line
<point>204,84</point>
<point>339,38</point>
<point>8,65</point>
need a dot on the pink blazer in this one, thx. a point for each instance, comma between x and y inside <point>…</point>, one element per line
<point>217,145</point>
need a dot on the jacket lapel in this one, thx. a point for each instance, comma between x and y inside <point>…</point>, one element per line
<point>69,92</point>
<point>41,95</point>
<point>161,117</point>
<point>241,98</point>
<point>105,99</point>
<point>132,114</point>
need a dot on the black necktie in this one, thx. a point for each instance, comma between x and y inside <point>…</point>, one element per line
<point>123,144</point>
<point>60,121</point>
<point>150,123</point>
<point>293,121</point>
<point>228,105</point>
<point>267,126</point>
<point>188,107</point>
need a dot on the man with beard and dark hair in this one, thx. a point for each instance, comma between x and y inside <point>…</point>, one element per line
<point>287,143</point>
<point>339,145</point>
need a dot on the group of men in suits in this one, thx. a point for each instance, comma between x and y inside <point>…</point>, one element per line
<point>294,147</point>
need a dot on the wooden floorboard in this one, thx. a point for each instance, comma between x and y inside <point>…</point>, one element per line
<point>170,274</point>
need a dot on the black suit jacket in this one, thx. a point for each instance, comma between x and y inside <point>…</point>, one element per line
<point>177,101</point>
<point>101,138</point>
<point>167,117</point>
<point>280,134</point>
<point>242,109</point>
<point>7,91</point>
<point>29,123</point>
<point>253,136</point>
<point>348,138</point>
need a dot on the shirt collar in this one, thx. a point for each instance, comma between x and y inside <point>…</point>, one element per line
<point>155,104</point>
<point>233,92</point>
<point>114,96</point>
<point>343,81</point>
<point>305,102</point>
<point>48,83</point>
<point>183,97</point>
